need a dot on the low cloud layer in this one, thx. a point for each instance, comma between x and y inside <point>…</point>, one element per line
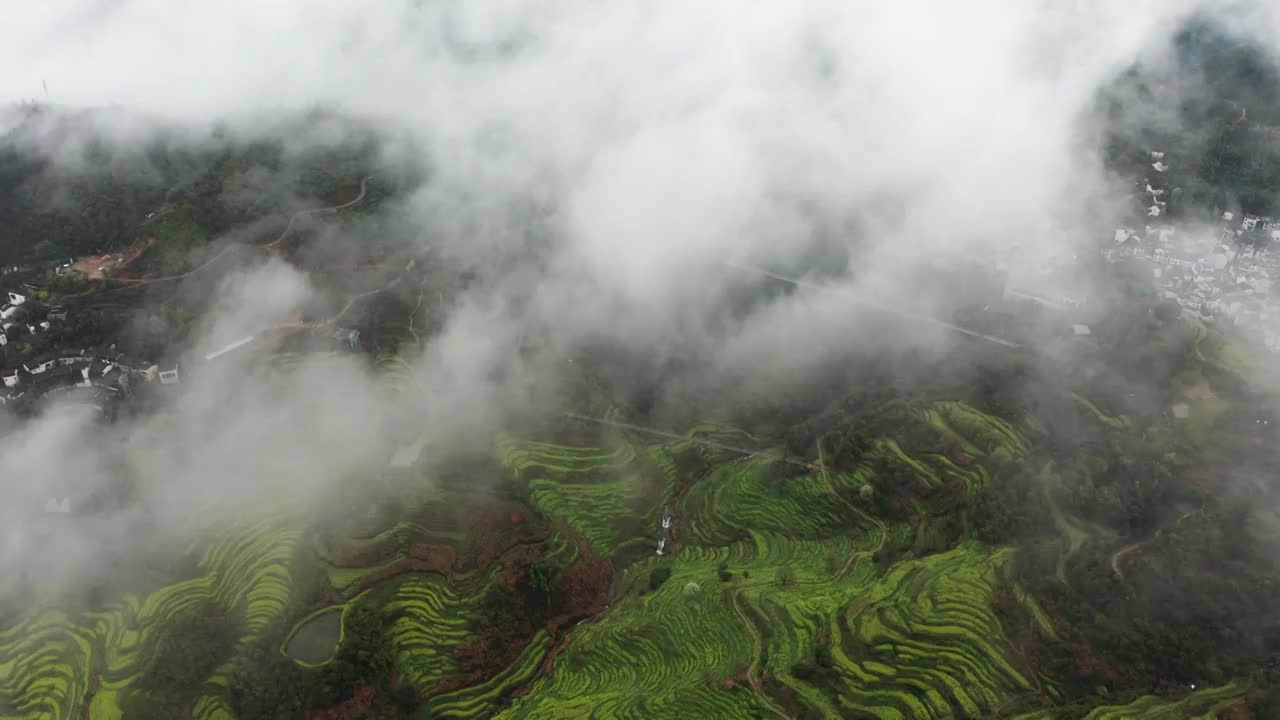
<point>600,162</point>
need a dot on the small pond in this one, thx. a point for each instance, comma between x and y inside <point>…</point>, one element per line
<point>316,640</point>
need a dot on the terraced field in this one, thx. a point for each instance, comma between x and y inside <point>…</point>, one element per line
<point>738,494</point>
<point>480,700</point>
<point>787,597</point>
<point>432,620</point>
<point>569,463</point>
<point>50,661</point>
<point>924,642</point>
<point>1205,703</point>
<point>918,642</point>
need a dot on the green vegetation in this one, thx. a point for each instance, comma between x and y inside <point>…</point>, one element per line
<point>909,536</point>
<point>1204,703</point>
<point>147,651</point>
<point>431,620</point>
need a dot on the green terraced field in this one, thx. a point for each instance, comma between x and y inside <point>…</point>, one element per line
<point>918,642</point>
<point>594,511</point>
<point>1204,703</point>
<point>480,700</point>
<point>431,619</point>
<point>924,642</point>
<point>976,432</point>
<point>593,490</point>
<point>46,661</point>
<point>566,461</point>
<point>778,603</point>
<point>738,495</point>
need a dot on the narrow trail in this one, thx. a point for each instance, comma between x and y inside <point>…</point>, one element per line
<point>269,247</point>
<point>417,341</point>
<point>318,324</point>
<point>1119,555</point>
<point>752,677</point>
<point>861,299</point>
<point>364,188</point>
<point>1129,549</point>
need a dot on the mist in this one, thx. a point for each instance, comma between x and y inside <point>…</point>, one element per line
<point>598,164</point>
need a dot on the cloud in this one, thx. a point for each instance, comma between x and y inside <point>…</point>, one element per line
<point>597,162</point>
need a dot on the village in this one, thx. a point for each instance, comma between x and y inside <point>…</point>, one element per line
<point>1222,273</point>
<point>1225,276</point>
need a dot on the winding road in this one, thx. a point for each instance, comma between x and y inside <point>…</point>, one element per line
<point>1129,549</point>
<point>269,247</point>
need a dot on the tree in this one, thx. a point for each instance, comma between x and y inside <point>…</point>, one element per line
<point>657,576</point>
<point>544,576</point>
<point>785,575</point>
<point>407,699</point>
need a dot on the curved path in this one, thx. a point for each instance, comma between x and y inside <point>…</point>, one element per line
<point>269,247</point>
<point>1128,549</point>
<point>364,187</point>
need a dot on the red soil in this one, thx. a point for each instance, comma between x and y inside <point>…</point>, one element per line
<point>1199,391</point>
<point>440,558</point>
<point>360,703</point>
<point>98,267</point>
<point>349,552</point>
<point>515,566</point>
<point>584,589</point>
<point>492,530</point>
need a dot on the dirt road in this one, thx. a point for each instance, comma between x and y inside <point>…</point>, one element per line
<point>269,247</point>
<point>1129,549</point>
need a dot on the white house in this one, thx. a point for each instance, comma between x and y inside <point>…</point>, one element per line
<point>4,339</point>
<point>169,377</point>
<point>1081,330</point>
<point>1157,155</point>
<point>35,368</point>
<point>1159,166</point>
<point>1154,211</point>
<point>11,379</point>
<point>16,298</point>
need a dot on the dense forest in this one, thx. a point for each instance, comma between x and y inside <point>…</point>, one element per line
<point>69,187</point>
<point>1212,103</point>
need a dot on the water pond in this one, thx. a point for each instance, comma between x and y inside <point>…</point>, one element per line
<point>316,640</point>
